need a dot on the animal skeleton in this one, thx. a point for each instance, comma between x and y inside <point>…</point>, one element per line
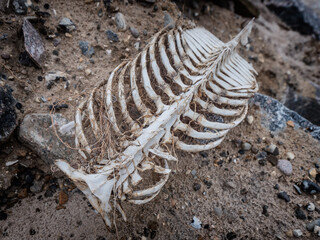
<point>186,90</point>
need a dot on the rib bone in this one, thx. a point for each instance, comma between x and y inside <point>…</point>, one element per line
<point>186,90</point>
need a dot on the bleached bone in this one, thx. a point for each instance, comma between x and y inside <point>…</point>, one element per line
<point>186,90</point>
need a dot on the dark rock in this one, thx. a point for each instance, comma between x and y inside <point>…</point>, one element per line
<point>33,43</point>
<point>168,21</point>
<point>5,56</point>
<point>42,14</point>
<point>20,6</point>
<point>297,15</point>
<point>18,105</point>
<point>46,6</point>
<point>146,232</point>
<point>112,36</point>
<point>66,25</point>
<point>32,231</point>
<point>300,214</point>
<point>55,52</point>
<point>310,187</point>
<point>25,59</point>
<point>196,186</point>
<point>86,49</point>
<point>3,37</point>
<point>275,116</point>
<point>265,210</point>
<point>318,177</point>
<point>153,225</point>
<point>273,160</point>
<point>153,234</point>
<point>8,117</point>
<point>276,186</point>
<point>100,12</point>
<point>262,162</point>
<point>284,196</point>
<point>56,41</point>
<point>57,107</point>
<point>231,235</point>
<point>262,155</point>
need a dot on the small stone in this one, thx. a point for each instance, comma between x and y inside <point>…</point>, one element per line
<point>310,187</point>
<point>290,156</point>
<point>254,150</point>
<point>284,196</point>
<point>311,207</point>
<point>231,185</point>
<point>137,46</point>
<point>285,167</point>
<point>250,119</point>
<point>5,56</point>
<point>86,49</point>
<point>120,22</point>
<point>3,216</point>
<point>56,41</point>
<point>88,72</point>
<point>218,211</point>
<point>68,35</point>
<point>63,198</point>
<point>231,235</point>
<point>153,225</point>
<point>23,193</point>
<point>36,187</point>
<point>261,58</point>
<point>196,186</point>
<point>289,233</point>
<point>311,226</point>
<point>290,123</point>
<point>265,210</point>
<point>246,146</point>
<point>168,21</point>
<point>297,233</point>
<point>313,172</point>
<point>273,160</point>
<point>272,149</point>
<point>112,36</point>
<point>297,188</point>
<point>316,230</point>
<point>262,155</point>
<point>134,32</point>
<point>66,25</point>
<point>194,172</point>
<point>196,223</point>
<point>300,214</point>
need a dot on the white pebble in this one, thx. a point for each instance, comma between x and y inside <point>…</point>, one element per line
<point>290,155</point>
<point>196,223</point>
<point>297,233</point>
<point>250,119</point>
<point>311,207</point>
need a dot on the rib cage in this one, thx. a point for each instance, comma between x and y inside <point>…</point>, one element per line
<point>186,89</point>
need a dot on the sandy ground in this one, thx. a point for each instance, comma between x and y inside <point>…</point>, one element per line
<point>240,185</point>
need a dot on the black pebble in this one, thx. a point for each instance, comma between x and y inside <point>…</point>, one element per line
<point>55,52</point>
<point>204,154</point>
<point>146,232</point>
<point>276,186</point>
<point>153,234</point>
<point>300,214</point>
<point>196,186</point>
<point>3,215</point>
<point>265,210</point>
<point>32,231</point>
<point>40,78</point>
<point>318,177</point>
<point>46,6</point>
<point>241,151</point>
<point>309,187</point>
<point>284,196</point>
<point>18,105</point>
<point>231,235</point>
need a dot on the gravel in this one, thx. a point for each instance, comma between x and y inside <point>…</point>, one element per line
<point>285,167</point>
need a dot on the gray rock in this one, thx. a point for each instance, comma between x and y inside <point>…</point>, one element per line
<point>37,186</point>
<point>218,211</point>
<point>112,36</point>
<point>285,166</point>
<point>194,172</point>
<point>231,185</point>
<point>134,32</point>
<point>297,233</point>
<point>245,146</point>
<point>196,223</point>
<point>86,49</point>
<point>37,133</point>
<point>20,6</point>
<point>120,22</point>
<point>272,149</point>
<point>66,25</point>
<point>310,226</point>
<point>8,117</point>
<point>168,21</point>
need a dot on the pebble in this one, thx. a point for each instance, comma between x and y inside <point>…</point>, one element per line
<point>196,223</point>
<point>297,233</point>
<point>262,155</point>
<point>23,193</point>
<point>88,72</point>
<point>289,233</point>
<point>246,146</point>
<point>231,185</point>
<point>311,226</point>
<point>68,35</point>
<point>120,22</point>
<point>300,214</point>
<point>112,36</point>
<point>250,119</point>
<point>297,188</point>
<point>66,25</point>
<point>218,211</point>
<point>86,49</point>
<point>272,149</point>
<point>273,160</point>
<point>196,186</point>
<point>265,210</point>
<point>137,46</point>
<point>36,187</point>
<point>5,56</point>
<point>316,230</point>
<point>168,21</point>
<point>134,32</point>
<point>310,187</point>
<point>63,198</point>
<point>290,123</point>
<point>194,172</point>
<point>231,235</point>
<point>56,41</point>
<point>313,172</point>
<point>285,167</point>
<point>284,196</point>
<point>311,207</point>
<point>290,156</point>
